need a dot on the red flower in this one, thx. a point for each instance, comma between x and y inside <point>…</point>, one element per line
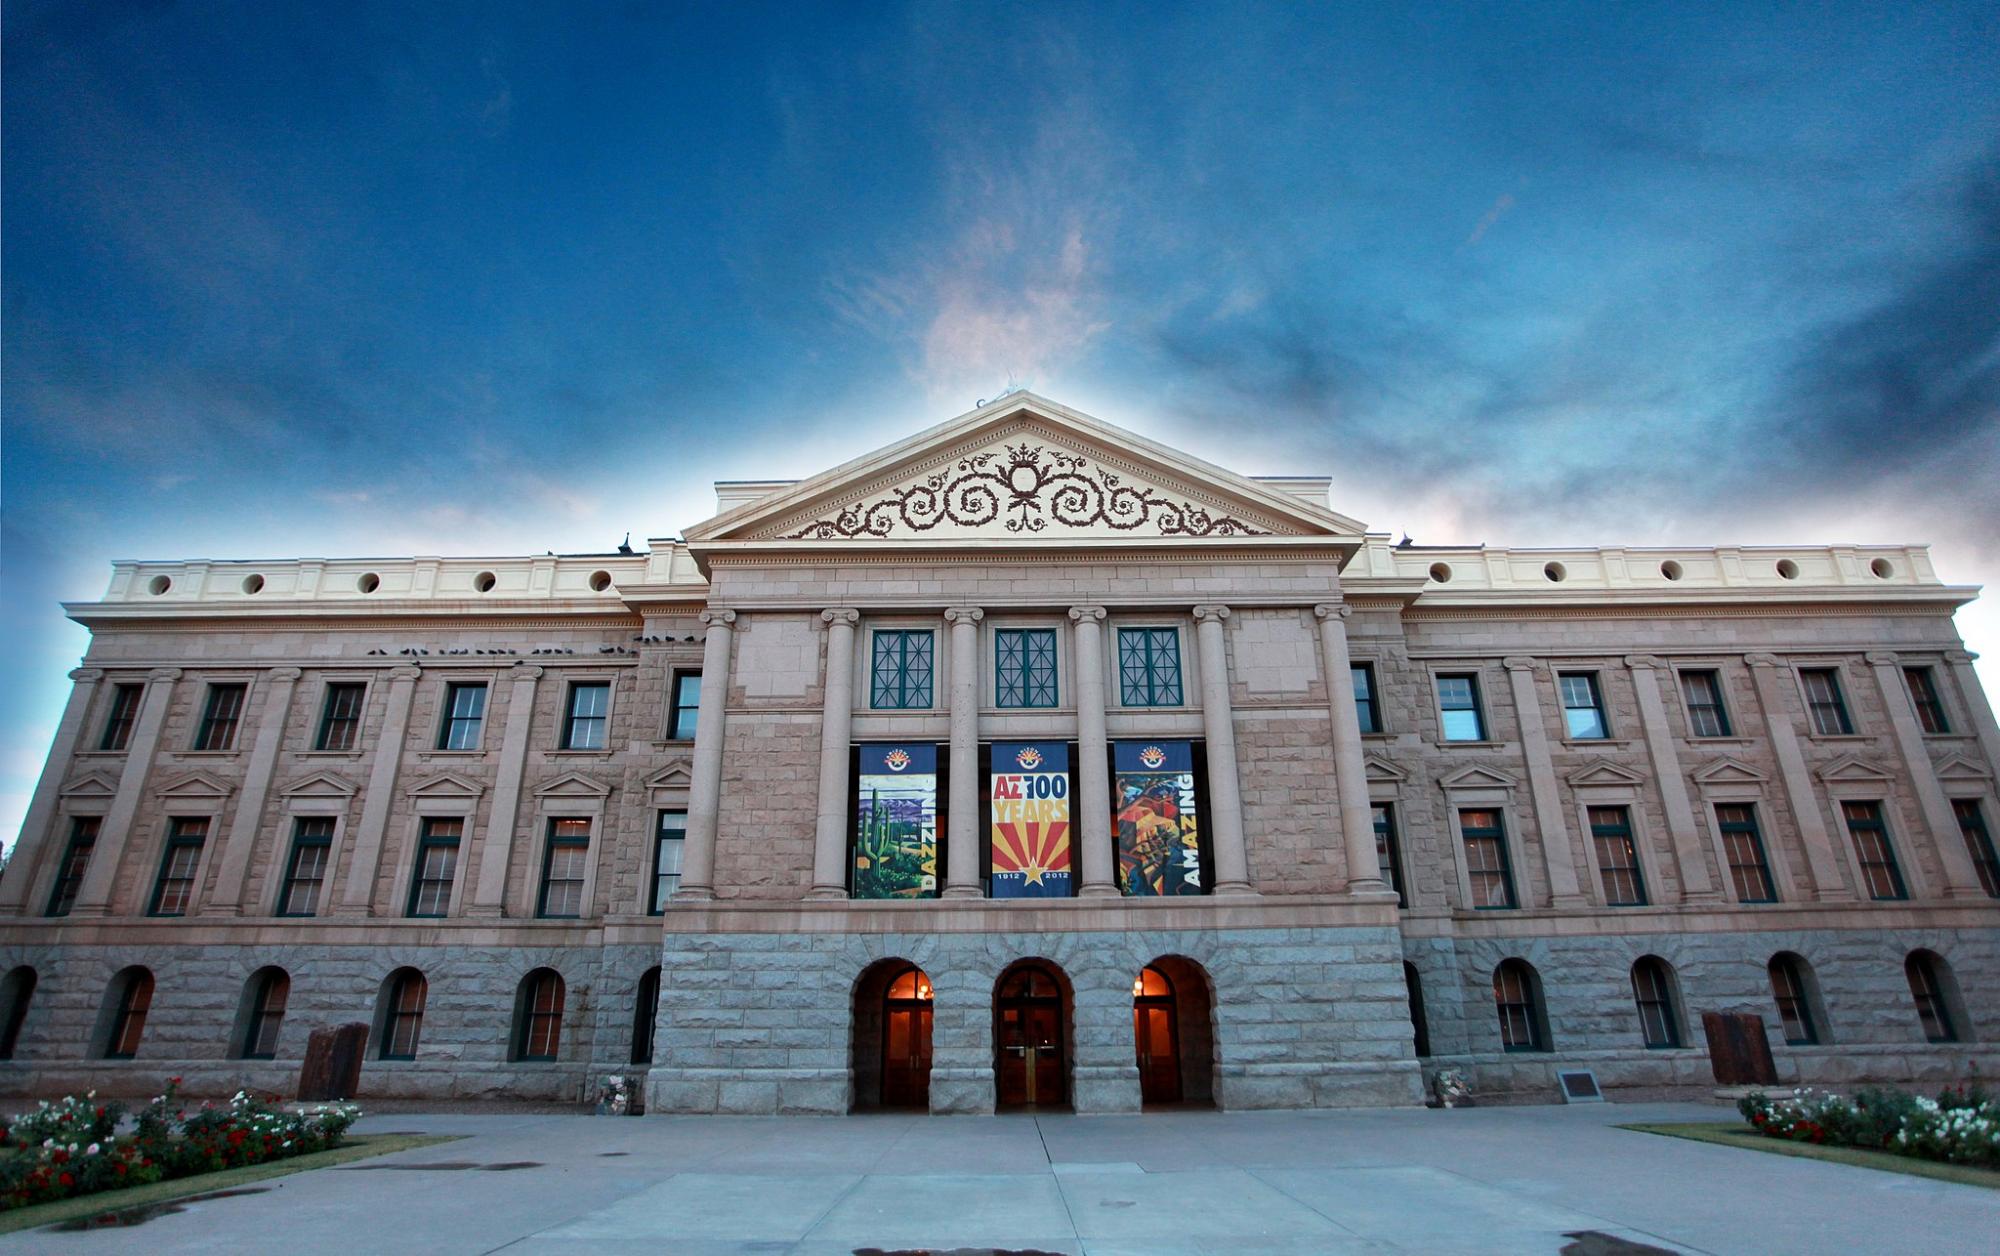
<point>67,1180</point>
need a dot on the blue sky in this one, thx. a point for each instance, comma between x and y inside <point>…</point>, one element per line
<point>388,279</point>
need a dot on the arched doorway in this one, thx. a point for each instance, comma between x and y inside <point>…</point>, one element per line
<point>1030,1024</point>
<point>892,1036</point>
<point>1155,1019</point>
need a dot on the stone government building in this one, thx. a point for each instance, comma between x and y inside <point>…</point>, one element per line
<point>1022,762</point>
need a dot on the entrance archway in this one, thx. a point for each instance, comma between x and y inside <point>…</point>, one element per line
<point>1173,1034</point>
<point>1031,1016</point>
<point>892,1036</point>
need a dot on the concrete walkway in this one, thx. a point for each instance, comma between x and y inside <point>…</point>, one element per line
<point>1487,1180</point>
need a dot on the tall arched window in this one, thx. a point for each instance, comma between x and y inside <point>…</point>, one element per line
<point>402,1014</point>
<point>645,1009</point>
<point>131,996</point>
<point>1415,986</point>
<point>538,1016</point>
<point>1790,988</point>
<point>15,993</point>
<point>1929,986</point>
<point>1653,991</point>
<point>1517,996</point>
<point>270,989</point>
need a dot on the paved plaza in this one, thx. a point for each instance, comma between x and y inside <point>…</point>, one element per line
<point>1502,1180</point>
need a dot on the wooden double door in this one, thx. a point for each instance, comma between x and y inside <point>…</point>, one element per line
<point>1029,1071</point>
<point>1156,1035</point>
<point>906,1042</point>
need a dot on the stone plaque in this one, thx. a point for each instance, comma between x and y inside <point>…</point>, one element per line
<point>333,1063</point>
<point>1738,1051</point>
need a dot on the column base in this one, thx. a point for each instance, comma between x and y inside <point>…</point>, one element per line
<point>1099,891</point>
<point>1234,889</point>
<point>961,892</point>
<point>485,911</point>
<point>1568,902</point>
<point>826,894</point>
<point>692,894</point>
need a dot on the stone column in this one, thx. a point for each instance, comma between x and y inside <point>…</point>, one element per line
<point>1350,773</point>
<point>1689,858</point>
<point>357,896</point>
<point>496,845</point>
<point>705,793</point>
<point>1225,795</point>
<point>1828,884</point>
<point>226,899</point>
<point>836,720</point>
<point>1557,855</point>
<point>962,837</point>
<point>100,876</point>
<point>1093,778</point>
<point>1976,701</point>
<point>1961,878</point>
<point>35,837</point>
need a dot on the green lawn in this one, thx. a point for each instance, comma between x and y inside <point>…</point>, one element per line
<point>354,1148</point>
<point>1729,1135</point>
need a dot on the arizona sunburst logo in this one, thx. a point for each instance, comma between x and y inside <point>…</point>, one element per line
<point>896,760</point>
<point>1029,758</point>
<point>1153,757</point>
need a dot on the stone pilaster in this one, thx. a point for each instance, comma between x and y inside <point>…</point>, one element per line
<point>1093,776</point>
<point>357,896</point>
<point>1558,857</point>
<point>100,878</point>
<point>1961,878</point>
<point>1218,719</point>
<point>1977,702</point>
<point>226,897</point>
<point>836,720</point>
<point>705,793</point>
<point>1689,858</point>
<point>496,846</point>
<point>1828,884</point>
<point>36,828</point>
<point>962,833</point>
<point>1350,772</point>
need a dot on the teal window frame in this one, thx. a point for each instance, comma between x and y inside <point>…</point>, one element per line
<point>1024,669</point>
<point>308,833</point>
<point>187,834</point>
<point>1868,827</point>
<point>220,715</point>
<point>1455,703</point>
<point>1387,856</point>
<point>1708,714</point>
<point>1924,697</point>
<point>340,716</point>
<point>1750,837</point>
<point>902,669</point>
<point>1583,706</point>
<point>123,717</point>
<point>432,837</point>
<point>587,717</point>
<point>1495,833</point>
<point>1149,668</point>
<point>1826,711</point>
<point>464,723</point>
<point>1367,707</point>
<point>684,705</point>
<point>83,831</point>
<point>1979,843</point>
<point>1611,832</point>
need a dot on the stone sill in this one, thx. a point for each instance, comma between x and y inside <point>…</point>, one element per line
<point>101,754</point>
<point>328,754</point>
<point>578,754</point>
<point>428,755</point>
<point>205,754</point>
<point>1472,745</point>
<point>1721,741</point>
<point>1586,744</point>
<point>1839,737</point>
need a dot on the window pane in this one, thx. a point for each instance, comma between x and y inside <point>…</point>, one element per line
<point>1979,843</point>
<point>1025,668</point>
<point>1923,696</point>
<point>406,1017</point>
<point>465,714</point>
<point>1617,857</point>
<point>311,848</point>
<point>1582,710</point>
<point>1492,881</point>
<point>588,707</point>
<point>124,713</point>
<point>1149,667</point>
<point>82,840</point>
<point>1788,989</point>
<point>1385,851</point>
<point>1745,846</point>
<point>1364,698</point>
<point>667,858</point>
<point>568,857</point>
<point>340,722</point>
<point>437,864</point>
<point>218,723</point>
<point>1652,993</point>
<point>1823,701</point>
<point>1703,691</point>
<point>902,671</point>
<point>686,711</point>
<point>177,873</point>
<point>1929,997</point>
<point>1458,705</point>
<point>1879,873</point>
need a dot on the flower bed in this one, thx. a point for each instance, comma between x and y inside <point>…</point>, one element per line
<point>71,1147</point>
<point>1961,1125</point>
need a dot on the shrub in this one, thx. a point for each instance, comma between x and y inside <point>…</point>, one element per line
<point>67,1120</point>
<point>1961,1125</point>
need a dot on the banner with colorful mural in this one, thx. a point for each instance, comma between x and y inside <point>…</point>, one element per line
<point>895,832</point>
<point>1030,803</point>
<point>1159,838</point>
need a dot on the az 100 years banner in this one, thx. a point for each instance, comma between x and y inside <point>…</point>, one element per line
<point>1159,840</point>
<point>1030,805</point>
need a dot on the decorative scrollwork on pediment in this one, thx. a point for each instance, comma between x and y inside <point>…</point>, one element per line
<point>1029,487</point>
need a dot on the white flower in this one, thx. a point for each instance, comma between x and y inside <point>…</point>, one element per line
<point>91,1150</point>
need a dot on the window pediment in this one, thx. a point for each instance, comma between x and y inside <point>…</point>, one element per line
<point>322,785</point>
<point>1382,771</point>
<point>573,785</point>
<point>90,785</point>
<point>1605,772</point>
<point>1960,768</point>
<point>194,785</point>
<point>673,776</point>
<point>446,785</point>
<point>1727,771</point>
<point>1852,771</point>
<point>1477,777</point>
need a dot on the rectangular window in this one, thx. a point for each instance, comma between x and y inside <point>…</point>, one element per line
<point>1365,710</point>
<point>1978,841</point>
<point>1924,696</point>
<point>464,717</point>
<point>219,717</point>
<point>1458,704</point>
<point>1824,703</point>
<point>1707,717</point>
<point>124,714</point>
<point>1617,857</point>
<point>1025,667</point>
<point>587,725</point>
<point>1385,850</point>
<point>82,840</point>
<point>562,869</point>
<point>312,849</point>
<point>1879,873</point>
<point>901,672</point>
<point>175,888</point>
<point>1486,859</point>
<point>667,846</point>
<point>1583,706</point>
<point>1744,844</point>
<point>1149,667</point>
<point>685,710</point>
<point>437,864</point>
<point>340,721</point>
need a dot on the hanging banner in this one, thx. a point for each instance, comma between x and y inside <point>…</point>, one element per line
<point>895,834</point>
<point>1159,840</point>
<point>1030,803</point>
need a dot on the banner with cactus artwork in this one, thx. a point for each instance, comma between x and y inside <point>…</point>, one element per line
<point>895,832</point>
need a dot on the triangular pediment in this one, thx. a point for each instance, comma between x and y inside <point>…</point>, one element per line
<point>1380,769</point>
<point>1477,778</point>
<point>1024,469</point>
<point>1854,770</point>
<point>322,785</point>
<point>194,785</point>
<point>573,785</point>
<point>90,785</point>
<point>1604,772</point>
<point>1960,768</point>
<point>1727,771</point>
<point>446,785</point>
<point>673,776</point>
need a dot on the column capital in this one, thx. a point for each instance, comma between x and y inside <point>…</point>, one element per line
<point>164,673</point>
<point>1883,658</point>
<point>1520,663</point>
<point>286,673</point>
<point>527,672</point>
<point>840,615</point>
<point>1962,658</point>
<point>718,616</point>
<point>1328,610</point>
<point>1081,613</point>
<point>1763,660</point>
<point>1645,662</point>
<point>963,615</point>
<point>405,673</point>
<point>1207,613</point>
<point>85,675</point>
